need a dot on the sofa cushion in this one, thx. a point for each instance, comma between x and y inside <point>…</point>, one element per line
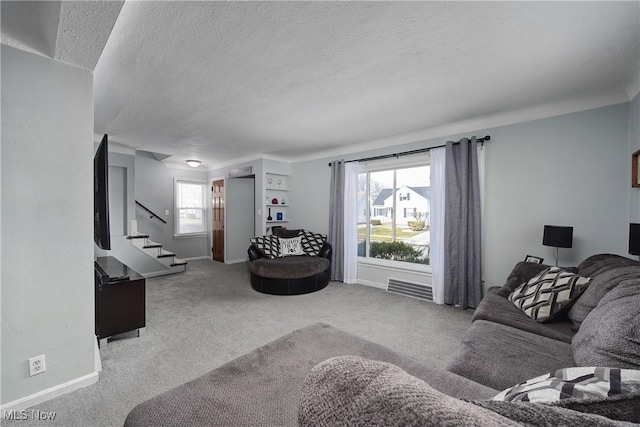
<point>606,412</point>
<point>500,356</point>
<point>312,242</point>
<point>522,272</point>
<point>576,382</point>
<point>353,391</point>
<point>610,334</point>
<point>295,267</point>
<point>290,247</point>
<point>599,263</point>
<point>268,245</point>
<point>549,293</point>
<point>601,283</point>
<point>496,308</point>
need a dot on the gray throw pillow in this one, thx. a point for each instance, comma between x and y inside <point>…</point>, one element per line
<point>521,273</point>
<point>610,334</point>
<point>287,234</point>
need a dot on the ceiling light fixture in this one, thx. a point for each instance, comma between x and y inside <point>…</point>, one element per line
<point>194,163</point>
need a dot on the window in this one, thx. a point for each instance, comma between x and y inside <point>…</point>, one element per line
<point>410,212</point>
<point>396,206</point>
<point>190,208</point>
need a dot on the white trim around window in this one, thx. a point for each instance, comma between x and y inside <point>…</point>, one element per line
<point>190,208</point>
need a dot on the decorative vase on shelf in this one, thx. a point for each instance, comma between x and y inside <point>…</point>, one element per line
<point>282,201</point>
<point>269,218</point>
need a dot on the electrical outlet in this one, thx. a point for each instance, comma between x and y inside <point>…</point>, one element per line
<point>37,365</point>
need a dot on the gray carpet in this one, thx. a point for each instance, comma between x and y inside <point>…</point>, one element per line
<point>264,387</point>
<point>208,316</point>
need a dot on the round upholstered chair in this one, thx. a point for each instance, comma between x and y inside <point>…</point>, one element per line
<point>289,275</point>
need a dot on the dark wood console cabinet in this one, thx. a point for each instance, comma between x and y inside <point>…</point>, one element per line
<point>119,299</point>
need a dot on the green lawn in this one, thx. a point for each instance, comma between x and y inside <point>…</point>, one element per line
<point>382,233</point>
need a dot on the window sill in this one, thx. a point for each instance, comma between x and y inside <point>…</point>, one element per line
<point>395,265</point>
<point>189,236</point>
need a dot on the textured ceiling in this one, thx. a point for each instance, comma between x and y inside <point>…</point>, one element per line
<point>73,32</point>
<point>225,81</point>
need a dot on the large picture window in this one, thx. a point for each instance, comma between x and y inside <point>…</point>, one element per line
<point>394,207</point>
<point>190,208</point>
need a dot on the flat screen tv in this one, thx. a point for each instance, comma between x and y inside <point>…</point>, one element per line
<point>634,239</point>
<point>101,232</point>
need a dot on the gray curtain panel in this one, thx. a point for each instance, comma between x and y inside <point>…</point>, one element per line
<point>336,219</point>
<point>462,257</point>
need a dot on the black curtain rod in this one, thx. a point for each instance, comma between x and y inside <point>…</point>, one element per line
<point>405,153</point>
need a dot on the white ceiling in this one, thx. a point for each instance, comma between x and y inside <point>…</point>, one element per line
<point>226,81</point>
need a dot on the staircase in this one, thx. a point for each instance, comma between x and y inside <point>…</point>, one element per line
<point>155,250</point>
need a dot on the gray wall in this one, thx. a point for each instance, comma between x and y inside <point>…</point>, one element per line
<point>47,244</point>
<point>634,144</point>
<point>239,200</point>
<point>154,188</point>
<point>568,170</point>
<point>258,197</point>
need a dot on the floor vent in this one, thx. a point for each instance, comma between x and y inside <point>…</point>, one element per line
<point>410,289</point>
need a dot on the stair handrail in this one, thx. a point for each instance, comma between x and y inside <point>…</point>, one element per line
<point>150,212</point>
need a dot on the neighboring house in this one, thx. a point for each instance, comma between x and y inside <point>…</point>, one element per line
<point>409,202</point>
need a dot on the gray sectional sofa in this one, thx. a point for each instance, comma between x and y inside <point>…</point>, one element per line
<point>321,376</point>
<point>504,346</point>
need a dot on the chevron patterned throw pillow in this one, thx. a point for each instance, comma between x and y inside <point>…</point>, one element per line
<point>549,293</point>
<point>269,245</point>
<point>312,242</point>
<point>574,383</point>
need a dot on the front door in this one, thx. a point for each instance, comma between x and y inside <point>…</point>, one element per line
<point>217,200</point>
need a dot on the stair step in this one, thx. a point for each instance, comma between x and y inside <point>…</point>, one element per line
<point>166,254</point>
<point>178,262</point>
<point>138,236</point>
<point>151,245</point>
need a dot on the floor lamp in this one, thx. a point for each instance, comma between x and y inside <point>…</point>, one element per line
<point>558,237</point>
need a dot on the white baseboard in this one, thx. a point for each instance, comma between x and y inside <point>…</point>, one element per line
<point>236,261</point>
<point>50,393</point>
<point>96,358</point>
<point>196,258</point>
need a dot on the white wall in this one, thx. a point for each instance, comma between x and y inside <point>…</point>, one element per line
<point>47,229</point>
<point>571,169</point>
